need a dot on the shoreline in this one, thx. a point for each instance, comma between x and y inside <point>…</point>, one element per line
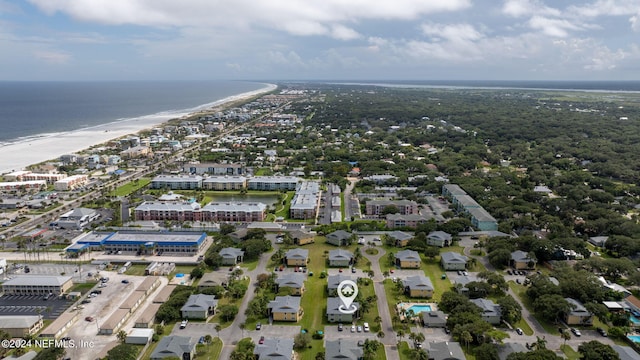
<point>39,148</point>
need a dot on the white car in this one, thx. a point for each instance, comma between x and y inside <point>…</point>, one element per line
<point>353,328</point>
<point>366,327</point>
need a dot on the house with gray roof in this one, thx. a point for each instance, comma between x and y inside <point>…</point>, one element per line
<point>598,241</point>
<point>522,260</point>
<point>408,259</point>
<point>439,239</point>
<point>343,349</point>
<point>445,350</point>
<point>174,346</point>
<point>333,281</point>
<point>434,319</point>
<point>339,238</point>
<point>453,261</point>
<point>340,258</point>
<point>199,306</point>
<point>334,315</point>
<point>21,325</point>
<point>508,348</point>
<point>579,315</point>
<point>293,281</point>
<point>401,238</point>
<point>285,308</point>
<point>490,311</point>
<point>460,283</point>
<point>418,286</point>
<point>231,256</point>
<point>296,257</point>
<point>625,352</point>
<point>274,349</point>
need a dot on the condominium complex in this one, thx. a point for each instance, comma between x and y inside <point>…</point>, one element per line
<point>480,218</point>
<point>217,211</point>
<point>177,182</point>
<point>214,169</point>
<point>71,182</point>
<point>305,201</point>
<point>405,207</point>
<point>222,183</point>
<point>273,183</point>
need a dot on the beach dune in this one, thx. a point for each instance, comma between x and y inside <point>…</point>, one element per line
<point>17,156</point>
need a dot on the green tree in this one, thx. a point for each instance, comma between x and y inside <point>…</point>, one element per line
<point>511,309</point>
<point>486,351</point>
<point>301,341</point>
<point>122,352</point>
<point>122,336</point>
<point>595,350</point>
<point>228,312</point>
<point>551,307</point>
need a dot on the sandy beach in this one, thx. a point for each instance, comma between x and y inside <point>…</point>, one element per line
<point>19,155</point>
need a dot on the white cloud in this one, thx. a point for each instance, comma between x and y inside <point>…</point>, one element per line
<point>52,57</point>
<point>452,32</point>
<point>523,8</point>
<point>606,8</point>
<point>635,23</point>
<point>552,27</point>
<point>327,17</point>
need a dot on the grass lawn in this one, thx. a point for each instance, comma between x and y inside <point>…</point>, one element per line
<point>136,269</point>
<point>522,324</point>
<point>83,287</point>
<point>433,270</point>
<point>250,265</point>
<point>283,210</point>
<point>405,351</point>
<point>342,207</point>
<point>210,351</point>
<point>569,352</point>
<point>521,292</point>
<point>130,187</point>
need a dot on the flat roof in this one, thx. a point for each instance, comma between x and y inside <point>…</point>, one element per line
<point>115,319</point>
<point>62,321</point>
<point>37,280</point>
<point>164,294</point>
<point>18,322</point>
<point>143,237</point>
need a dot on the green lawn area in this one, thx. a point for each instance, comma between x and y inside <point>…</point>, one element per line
<point>524,325</point>
<point>405,351</point>
<point>130,187</point>
<point>227,300</point>
<point>283,210</point>
<point>342,207</point>
<point>263,172</point>
<point>521,292</point>
<point>569,352</point>
<point>136,269</point>
<point>210,351</point>
<point>83,287</point>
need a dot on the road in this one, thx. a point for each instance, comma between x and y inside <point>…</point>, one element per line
<point>390,341</point>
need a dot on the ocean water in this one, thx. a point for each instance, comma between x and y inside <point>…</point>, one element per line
<point>30,110</point>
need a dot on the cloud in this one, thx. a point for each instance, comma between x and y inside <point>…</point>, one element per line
<point>333,18</point>
<point>523,8</point>
<point>635,23</point>
<point>552,27</point>
<point>52,57</point>
<point>606,8</point>
<point>452,32</point>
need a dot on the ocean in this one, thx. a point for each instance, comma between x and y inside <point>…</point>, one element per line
<point>31,110</point>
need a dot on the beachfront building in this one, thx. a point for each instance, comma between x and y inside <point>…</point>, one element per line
<point>273,183</point>
<point>223,183</point>
<point>185,211</point>
<point>37,285</point>
<point>177,243</point>
<point>23,185</point>
<point>177,182</point>
<point>214,169</point>
<point>136,152</point>
<point>23,175</point>
<point>71,182</point>
<point>305,201</point>
<point>405,207</point>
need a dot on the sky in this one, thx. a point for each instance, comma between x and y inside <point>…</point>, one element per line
<point>83,40</point>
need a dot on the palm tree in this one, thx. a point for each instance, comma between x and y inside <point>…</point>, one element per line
<point>466,338</point>
<point>218,328</point>
<point>122,336</point>
<point>380,334</point>
<point>378,320</point>
<point>419,337</point>
<point>419,354</point>
<point>395,319</point>
<point>400,334</point>
<point>565,336</point>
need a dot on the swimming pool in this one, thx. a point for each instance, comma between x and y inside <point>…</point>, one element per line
<point>634,338</point>
<point>634,319</point>
<point>419,308</point>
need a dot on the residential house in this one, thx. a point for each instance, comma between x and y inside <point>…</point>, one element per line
<point>199,306</point>
<point>211,279</point>
<point>274,349</point>
<point>175,346</point>
<point>342,349</point>
<point>461,282</point>
<point>339,238</point>
<point>508,348</point>
<point>334,315</point>
<point>439,239</point>
<point>579,315</point>
<point>418,286</point>
<point>333,281</point>
<point>302,237</point>
<point>598,241</point>
<point>401,238</point>
<point>453,261</point>
<point>231,256</point>
<point>490,311</point>
<point>434,319</point>
<point>445,350</point>
<point>408,259</point>
<point>285,308</point>
<point>522,260</point>
<point>296,257</point>
<point>340,258</point>
<point>293,281</point>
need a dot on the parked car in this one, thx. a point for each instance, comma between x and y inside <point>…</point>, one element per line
<point>125,281</point>
<point>366,327</point>
<point>519,331</point>
<point>353,270</point>
<point>353,328</point>
<point>576,332</point>
<point>261,341</point>
<point>85,301</point>
<point>340,327</point>
<point>359,328</point>
<point>89,319</point>
<point>183,324</point>
<point>258,326</point>
<point>601,331</point>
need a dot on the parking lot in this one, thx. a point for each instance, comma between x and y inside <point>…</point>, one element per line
<point>33,305</point>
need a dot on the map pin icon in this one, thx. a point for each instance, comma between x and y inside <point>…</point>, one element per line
<point>347,292</point>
